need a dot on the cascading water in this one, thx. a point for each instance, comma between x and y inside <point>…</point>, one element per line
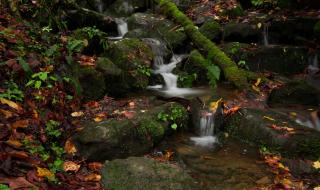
<point>313,67</point>
<point>206,138</point>
<point>99,5</point>
<point>170,88</point>
<point>122,28</point>
<point>265,34</point>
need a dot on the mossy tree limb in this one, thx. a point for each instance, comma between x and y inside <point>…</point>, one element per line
<point>230,69</point>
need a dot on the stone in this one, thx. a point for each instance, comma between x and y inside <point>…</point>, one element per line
<point>295,93</point>
<point>120,138</point>
<point>140,173</point>
<point>211,29</point>
<point>241,32</point>
<point>275,130</point>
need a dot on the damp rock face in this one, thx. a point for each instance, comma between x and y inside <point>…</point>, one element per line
<point>140,173</point>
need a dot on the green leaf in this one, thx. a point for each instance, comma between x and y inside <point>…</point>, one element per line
<point>43,76</point>
<point>214,71</point>
<point>37,85</point>
<point>25,66</point>
<point>174,126</point>
<point>4,187</point>
<point>30,82</point>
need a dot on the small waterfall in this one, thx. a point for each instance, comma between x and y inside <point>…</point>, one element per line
<point>265,34</point>
<point>313,67</point>
<point>170,88</point>
<point>99,5</point>
<point>206,138</point>
<point>122,27</point>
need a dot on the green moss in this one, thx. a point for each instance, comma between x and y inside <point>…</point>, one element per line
<point>150,128</point>
<point>234,12</point>
<point>211,29</point>
<point>316,29</point>
<point>92,83</point>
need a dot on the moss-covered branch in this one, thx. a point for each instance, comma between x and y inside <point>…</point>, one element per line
<point>230,69</point>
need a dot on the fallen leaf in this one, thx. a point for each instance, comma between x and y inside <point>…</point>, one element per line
<point>20,124</point>
<point>214,105</point>
<point>268,118</point>
<point>44,172</point>
<point>255,88</point>
<point>7,114</point>
<point>77,114</point>
<point>316,164</point>
<point>11,104</point>
<point>316,188</point>
<point>92,177</point>
<point>16,183</point>
<point>70,166</point>
<point>14,143</point>
<point>258,82</point>
<point>95,166</point>
<point>69,147</point>
<point>264,180</point>
<point>128,114</point>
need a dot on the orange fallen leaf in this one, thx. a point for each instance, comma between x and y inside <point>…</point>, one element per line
<point>92,177</point>
<point>20,124</point>
<point>70,166</point>
<point>7,114</point>
<point>14,143</point>
<point>95,166</point>
<point>69,147</point>
<point>11,104</point>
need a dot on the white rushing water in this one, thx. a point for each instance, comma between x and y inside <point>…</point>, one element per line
<point>313,66</point>
<point>122,28</point>
<point>170,87</point>
<point>265,34</point>
<point>207,138</point>
<point>99,5</point>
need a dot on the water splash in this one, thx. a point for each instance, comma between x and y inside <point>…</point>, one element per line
<point>122,27</point>
<point>265,34</point>
<point>207,138</point>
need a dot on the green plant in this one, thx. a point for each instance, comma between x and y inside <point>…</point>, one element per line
<point>213,75</point>
<point>4,187</point>
<point>52,128</point>
<point>258,3</point>
<point>186,80</point>
<point>175,113</point>
<point>41,79</point>
<point>144,70</point>
<point>36,148</point>
<point>74,46</point>
<point>243,64</point>
<point>12,92</point>
<point>92,31</point>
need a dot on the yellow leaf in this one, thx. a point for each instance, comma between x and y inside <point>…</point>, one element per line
<point>293,114</point>
<point>70,166</point>
<point>258,82</point>
<point>77,114</point>
<point>316,188</point>
<point>14,143</point>
<point>11,104</point>
<point>44,172</point>
<point>259,25</point>
<point>98,119</point>
<point>214,105</point>
<point>316,164</point>
<point>255,88</point>
<point>268,118</point>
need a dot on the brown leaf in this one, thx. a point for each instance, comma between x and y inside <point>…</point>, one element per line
<point>14,143</point>
<point>77,114</point>
<point>20,124</point>
<point>95,166</point>
<point>92,177</point>
<point>44,172</point>
<point>69,147</point>
<point>16,183</point>
<point>7,114</point>
<point>70,166</point>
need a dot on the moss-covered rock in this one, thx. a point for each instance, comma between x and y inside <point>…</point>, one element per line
<point>107,67</point>
<point>316,29</point>
<point>234,11</point>
<point>143,25</point>
<point>253,125</point>
<point>295,93</point>
<point>134,58</point>
<point>92,83</point>
<point>211,29</point>
<point>241,32</point>
<point>286,60</point>
<point>116,138</point>
<point>145,173</point>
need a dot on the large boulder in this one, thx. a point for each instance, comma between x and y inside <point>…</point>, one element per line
<point>140,173</point>
<point>120,138</point>
<point>274,130</point>
<point>143,25</point>
<point>241,32</point>
<point>134,58</point>
<point>295,93</point>
<point>211,29</point>
<point>280,59</point>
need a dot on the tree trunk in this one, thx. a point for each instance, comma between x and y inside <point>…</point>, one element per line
<point>230,69</point>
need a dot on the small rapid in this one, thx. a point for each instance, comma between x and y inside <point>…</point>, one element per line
<point>122,28</point>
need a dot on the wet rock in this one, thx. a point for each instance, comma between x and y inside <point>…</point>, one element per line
<point>143,25</point>
<point>241,32</point>
<point>295,93</point>
<point>134,58</point>
<point>285,60</point>
<point>274,130</point>
<point>144,173</point>
<point>211,29</point>
<point>120,138</point>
